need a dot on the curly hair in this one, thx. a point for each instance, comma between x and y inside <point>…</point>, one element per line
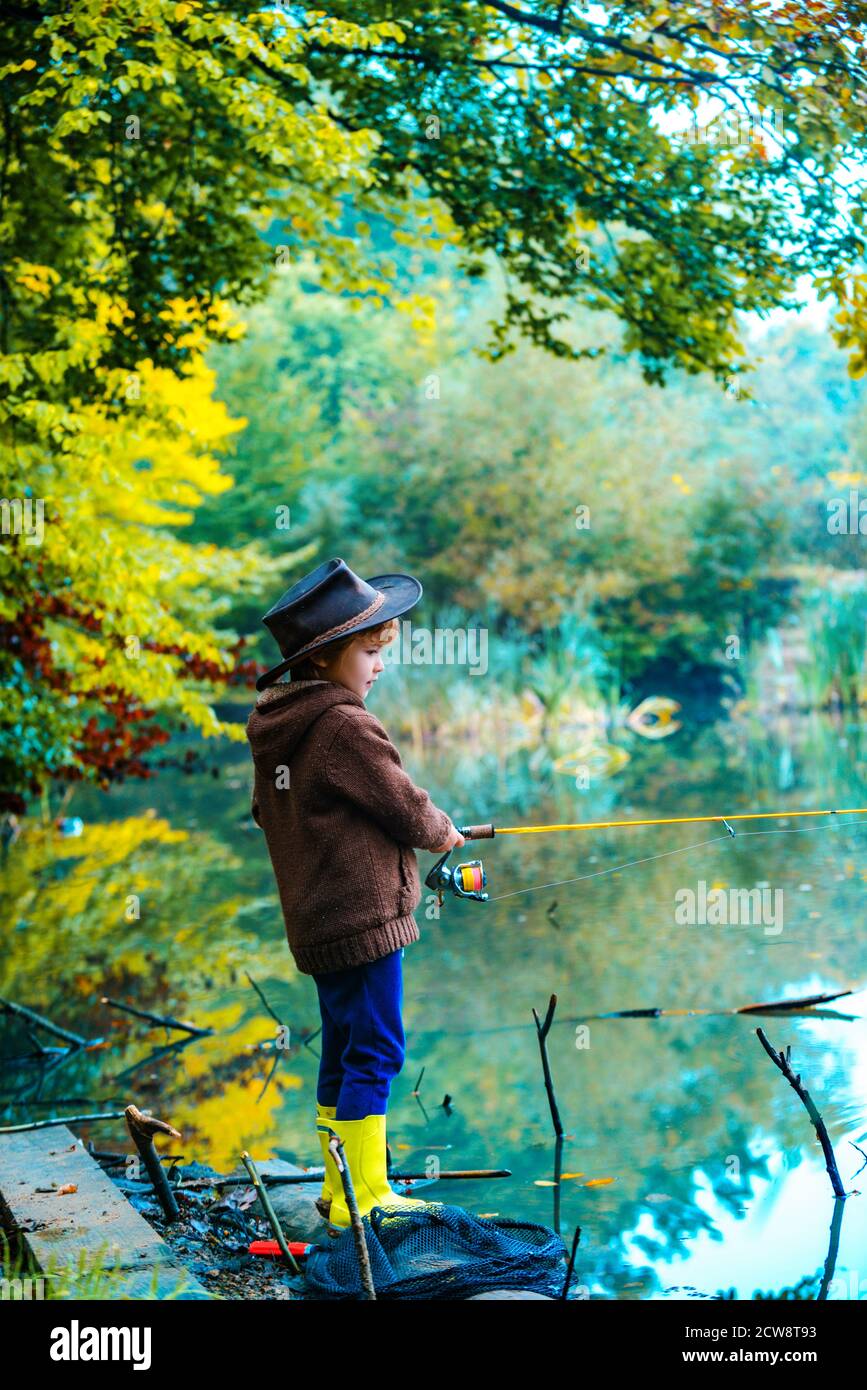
<point>380,636</point>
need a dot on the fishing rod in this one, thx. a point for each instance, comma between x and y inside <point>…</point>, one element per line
<point>469,880</point>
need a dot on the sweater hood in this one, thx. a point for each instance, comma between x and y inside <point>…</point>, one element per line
<point>284,712</point>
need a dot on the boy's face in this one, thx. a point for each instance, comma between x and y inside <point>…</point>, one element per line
<point>357,667</point>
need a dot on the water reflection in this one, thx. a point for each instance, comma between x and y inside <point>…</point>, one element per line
<point>687,1160</point>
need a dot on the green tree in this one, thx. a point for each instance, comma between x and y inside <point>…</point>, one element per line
<point>129,221</point>
<point>146,150</point>
<point>429,456</point>
<point>672,165</point>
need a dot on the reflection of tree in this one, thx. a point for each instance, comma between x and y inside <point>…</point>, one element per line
<point>139,911</point>
<point>632,1115</point>
<point>652,1102</point>
<point>656,1104</point>
<point>814,1287</point>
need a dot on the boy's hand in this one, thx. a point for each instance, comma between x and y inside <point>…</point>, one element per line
<point>455,839</point>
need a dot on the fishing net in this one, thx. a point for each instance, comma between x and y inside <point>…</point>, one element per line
<point>439,1252</point>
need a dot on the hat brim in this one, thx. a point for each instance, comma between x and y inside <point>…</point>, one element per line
<point>402,592</point>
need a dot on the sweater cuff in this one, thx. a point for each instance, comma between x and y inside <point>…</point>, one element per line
<point>440,830</point>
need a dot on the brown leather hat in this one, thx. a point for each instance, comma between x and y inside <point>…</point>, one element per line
<point>332,602</point>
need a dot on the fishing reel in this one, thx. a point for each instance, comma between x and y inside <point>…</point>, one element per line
<point>464,880</point>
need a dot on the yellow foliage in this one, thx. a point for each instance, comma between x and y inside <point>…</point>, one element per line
<point>38,278</point>
<point>421,310</point>
<point>236,1119</point>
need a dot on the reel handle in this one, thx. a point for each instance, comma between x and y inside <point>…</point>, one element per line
<point>464,880</point>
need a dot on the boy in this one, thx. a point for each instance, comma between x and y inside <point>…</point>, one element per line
<point>341,820</point>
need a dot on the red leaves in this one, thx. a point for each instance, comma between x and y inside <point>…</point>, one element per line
<point>114,731</point>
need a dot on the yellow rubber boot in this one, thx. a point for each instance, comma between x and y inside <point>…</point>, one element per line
<point>364,1151</point>
<point>331,1182</point>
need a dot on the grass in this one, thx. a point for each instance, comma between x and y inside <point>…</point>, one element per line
<point>90,1279</point>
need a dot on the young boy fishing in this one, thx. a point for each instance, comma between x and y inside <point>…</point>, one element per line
<point>342,821</point>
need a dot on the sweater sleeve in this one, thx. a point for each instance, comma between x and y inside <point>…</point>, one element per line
<point>363,764</point>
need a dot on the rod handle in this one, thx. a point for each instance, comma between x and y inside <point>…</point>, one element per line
<point>477,832</point>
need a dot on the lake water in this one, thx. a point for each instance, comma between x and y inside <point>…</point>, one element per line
<point>688,1161</point>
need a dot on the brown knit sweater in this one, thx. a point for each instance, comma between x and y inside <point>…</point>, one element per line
<point>341,818</point>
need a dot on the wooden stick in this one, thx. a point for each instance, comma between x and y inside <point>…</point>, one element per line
<point>819,1124</point>
<point>39,1056</point>
<point>274,1065</point>
<point>153,1056</point>
<point>863,1155</point>
<point>163,1020</point>
<point>782,1005</point>
<point>45,1023</point>
<point>558,1184</point>
<point>542,1034</point>
<point>269,1211</point>
<point>315,1175</point>
<point>37,1044</point>
<point>568,1280</point>
<point>142,1128</point>
<point>62,1120</point>
<point>264,1000</point>
<point>305,1038</point>
<point>833,1251</point>
<point>771,1006</point>
<point>335,1144</point>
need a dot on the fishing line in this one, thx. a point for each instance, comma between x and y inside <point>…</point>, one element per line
<point>615,868</point>
<point>649,859</point>
<point>468,880</point>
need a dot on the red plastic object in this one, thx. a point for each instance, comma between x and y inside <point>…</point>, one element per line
<point>270,1247</point>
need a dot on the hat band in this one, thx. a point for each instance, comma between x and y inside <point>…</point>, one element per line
<point>350,622</point>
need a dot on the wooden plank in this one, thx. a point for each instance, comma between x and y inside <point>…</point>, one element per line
<point>57,1227</point>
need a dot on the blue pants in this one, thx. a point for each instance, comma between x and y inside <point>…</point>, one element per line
<point>363,1042</point>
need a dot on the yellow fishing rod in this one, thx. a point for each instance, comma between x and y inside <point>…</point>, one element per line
<point>469,880</point>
